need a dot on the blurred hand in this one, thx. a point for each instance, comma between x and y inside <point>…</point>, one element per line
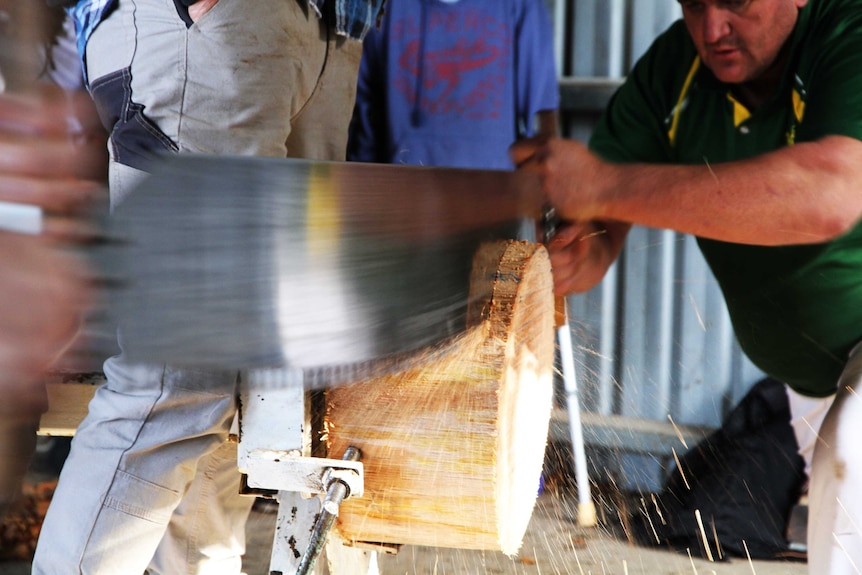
<point>43,290</point>
<point>199,8</point>
<point>52,155</point>
<point>569,172</point>
<point>52,150</point>
<point>582,252</point>
<point>585,245</point>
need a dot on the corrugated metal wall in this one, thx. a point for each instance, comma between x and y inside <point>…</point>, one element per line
<point>653,340</point>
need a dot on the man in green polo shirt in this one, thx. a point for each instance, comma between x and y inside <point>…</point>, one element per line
<point>742,125</point>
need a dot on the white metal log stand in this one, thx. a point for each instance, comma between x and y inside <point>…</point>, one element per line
<point>274,453</point>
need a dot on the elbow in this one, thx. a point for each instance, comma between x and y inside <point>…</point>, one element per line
<point>822,224</point>
<point>836,224</point>
<point>836,209</point>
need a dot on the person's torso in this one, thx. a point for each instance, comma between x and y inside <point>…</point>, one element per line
<point>796,310</point>
<point>450,72</point>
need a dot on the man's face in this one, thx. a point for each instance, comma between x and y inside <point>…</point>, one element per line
<point>740,39</point>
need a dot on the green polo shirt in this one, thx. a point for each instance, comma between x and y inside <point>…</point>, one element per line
<point>796,310</point>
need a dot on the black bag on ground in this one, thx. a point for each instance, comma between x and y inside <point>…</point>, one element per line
<point>744,479</point>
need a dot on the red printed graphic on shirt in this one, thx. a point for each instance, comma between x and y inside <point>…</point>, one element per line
<point>466,59</point>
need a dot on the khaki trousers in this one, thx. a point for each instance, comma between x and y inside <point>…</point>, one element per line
<point>254,77</point>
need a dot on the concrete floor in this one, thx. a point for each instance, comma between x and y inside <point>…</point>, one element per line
<point>553,545</point>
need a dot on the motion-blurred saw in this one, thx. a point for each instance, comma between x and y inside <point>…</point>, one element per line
<point>238,262</point>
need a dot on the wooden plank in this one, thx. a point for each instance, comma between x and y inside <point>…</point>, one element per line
<point>630,434</point>
<point>67,407</point>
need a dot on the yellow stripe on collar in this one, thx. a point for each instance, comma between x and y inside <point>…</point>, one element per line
<point>679,103</point>
<point>740,112</point>
<point>798,105</point>
<point>798,114</point>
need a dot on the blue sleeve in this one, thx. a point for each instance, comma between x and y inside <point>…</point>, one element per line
<point>537,87</point>
<point>367,129</point>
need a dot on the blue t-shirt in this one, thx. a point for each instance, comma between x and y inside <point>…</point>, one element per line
<point>453,84</point>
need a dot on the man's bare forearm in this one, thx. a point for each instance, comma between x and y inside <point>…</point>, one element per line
<point>807,193</point>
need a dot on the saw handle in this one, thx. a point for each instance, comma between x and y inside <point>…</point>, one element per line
<point>550,223</point>
<point>548,228</point>
<point>21,218</point>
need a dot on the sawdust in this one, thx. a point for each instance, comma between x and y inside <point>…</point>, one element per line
<point>20,528</point>
<point>453,448</point>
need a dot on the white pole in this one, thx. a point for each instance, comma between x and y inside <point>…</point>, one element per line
<point>586,507</point>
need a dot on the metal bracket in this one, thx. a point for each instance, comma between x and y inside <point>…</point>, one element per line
<point>336,492</point>
<point>290,471</point>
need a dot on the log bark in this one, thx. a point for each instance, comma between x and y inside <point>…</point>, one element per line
<point>453,447</point>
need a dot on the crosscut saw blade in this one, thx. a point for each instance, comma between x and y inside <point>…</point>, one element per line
<point>336,268</point>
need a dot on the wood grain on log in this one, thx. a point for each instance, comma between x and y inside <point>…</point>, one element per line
<point>453,448</point>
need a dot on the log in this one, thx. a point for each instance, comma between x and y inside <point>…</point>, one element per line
<point>453,447</point>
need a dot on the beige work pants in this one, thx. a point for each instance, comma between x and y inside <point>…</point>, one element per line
<point>253,77</point>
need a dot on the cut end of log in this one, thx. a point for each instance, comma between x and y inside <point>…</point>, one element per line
<point>453,448</point>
